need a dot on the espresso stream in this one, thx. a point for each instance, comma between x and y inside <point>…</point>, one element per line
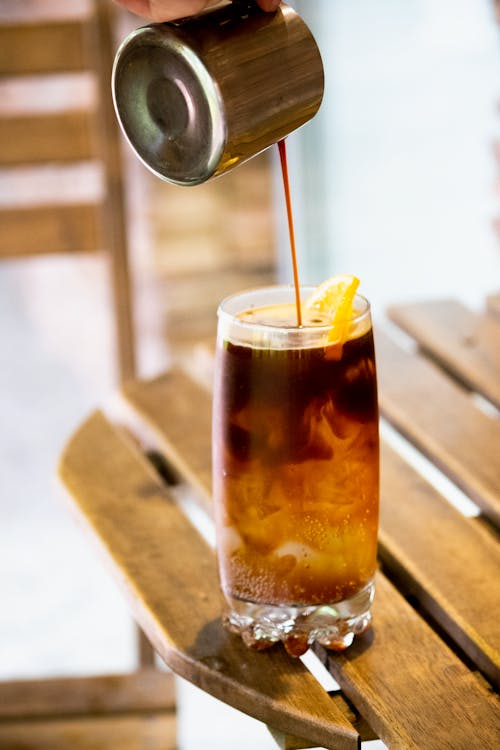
<point>293,250</point>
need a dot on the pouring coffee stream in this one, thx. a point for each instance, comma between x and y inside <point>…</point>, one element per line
<point>291,232</point>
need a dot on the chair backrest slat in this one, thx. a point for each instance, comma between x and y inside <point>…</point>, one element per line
<point>35,139</point>
<point>73,228</point>
<point>45,47</point>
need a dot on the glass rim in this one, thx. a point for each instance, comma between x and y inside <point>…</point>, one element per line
<point>224,314</point>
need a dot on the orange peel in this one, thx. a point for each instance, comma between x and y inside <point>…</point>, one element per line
<point>334,299</point>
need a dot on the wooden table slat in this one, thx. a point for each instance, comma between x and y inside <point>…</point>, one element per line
<point>461,440</point>
<point>430,546</point>
<point>168,574</point>
<point>465,343</point>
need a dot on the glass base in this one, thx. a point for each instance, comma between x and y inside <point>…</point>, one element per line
<point>332,625</point>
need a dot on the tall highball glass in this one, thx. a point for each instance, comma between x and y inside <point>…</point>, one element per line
<point>295,471</point>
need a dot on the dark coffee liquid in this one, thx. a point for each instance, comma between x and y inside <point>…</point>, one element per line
<point>293,250</point>
<point>298,450</point>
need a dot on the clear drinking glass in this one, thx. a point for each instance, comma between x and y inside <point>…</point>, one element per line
<point>295,471</point>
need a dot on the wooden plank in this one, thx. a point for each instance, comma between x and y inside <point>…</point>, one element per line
<point>463,342</point>
<point>412,690</point>
<point>145,690</point>
<point>168,574</point>
<point>461,440</point>
<point>44,47</point>
<point>35,139</point>
<point>150,732</point>
<point>430,547</point>
<point>176,412</point>
<point>40,230</point>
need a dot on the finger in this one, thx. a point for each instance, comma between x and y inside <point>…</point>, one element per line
<point>165,10</point>
<point>177,8</point>
<point>269,5</point>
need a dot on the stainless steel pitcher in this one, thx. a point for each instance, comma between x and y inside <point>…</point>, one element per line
<point>199,96</point>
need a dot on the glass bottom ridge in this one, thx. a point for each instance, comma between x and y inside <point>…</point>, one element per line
<point>333,625</point>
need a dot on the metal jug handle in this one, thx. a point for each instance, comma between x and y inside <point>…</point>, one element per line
<point>246,5</point>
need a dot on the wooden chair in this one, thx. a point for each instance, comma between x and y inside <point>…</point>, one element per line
<point>55,64</point>
<point>77,49</point>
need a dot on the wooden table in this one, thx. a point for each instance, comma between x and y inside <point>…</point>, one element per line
<point>425,676</point>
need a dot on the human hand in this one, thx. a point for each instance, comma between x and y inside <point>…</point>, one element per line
<point>168,10</point>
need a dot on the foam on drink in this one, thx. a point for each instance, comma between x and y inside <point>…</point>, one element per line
<point>284,316</point>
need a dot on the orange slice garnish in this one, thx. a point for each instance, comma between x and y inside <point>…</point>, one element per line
<point>334,300</point>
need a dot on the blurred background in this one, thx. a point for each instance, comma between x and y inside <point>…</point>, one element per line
<point>395,180</point>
